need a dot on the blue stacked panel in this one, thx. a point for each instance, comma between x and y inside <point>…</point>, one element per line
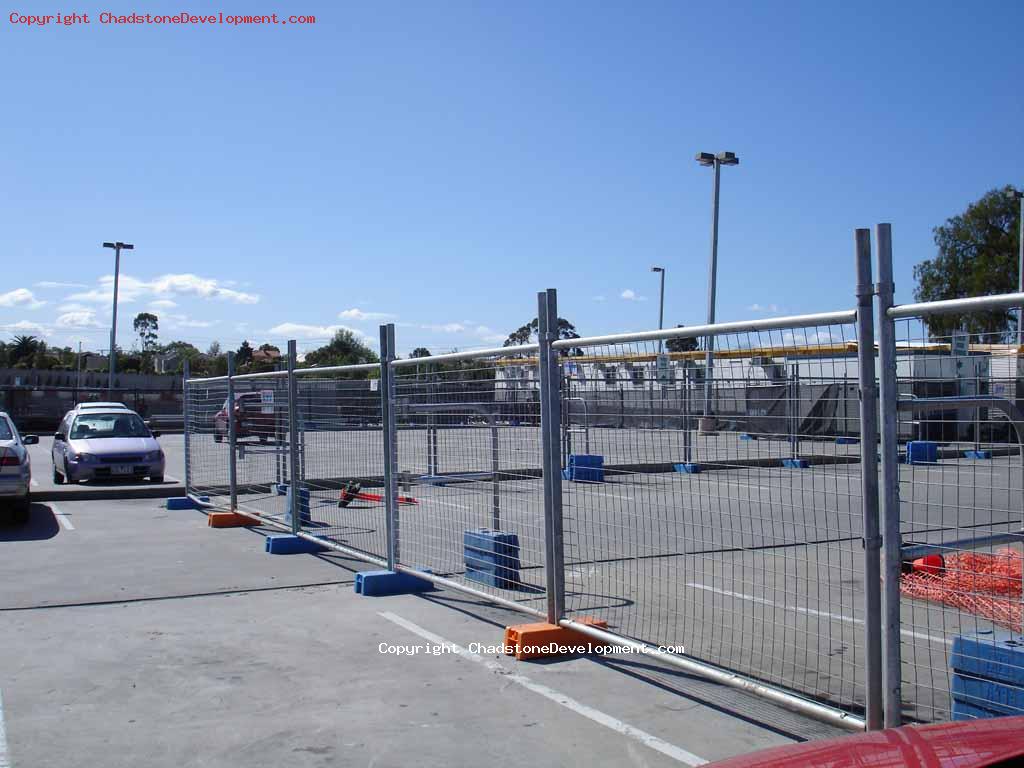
<point>585,467</point>
<point>988,675</point>
<point>491,557</point>
<point>922,452</point>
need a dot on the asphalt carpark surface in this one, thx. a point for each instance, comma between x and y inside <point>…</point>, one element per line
<point>149,638</point>
<point>758,569</point>
<point>134,635</point>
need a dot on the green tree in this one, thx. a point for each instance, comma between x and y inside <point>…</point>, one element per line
<point>243,356</point>
<point>420,352</point>
<point>269,348</point>
<point>344,349</point>
<point>527,333</point>
<point>681,345</point>
<point>977,256</point>
<point>146,326</point>
<point>22,350</point>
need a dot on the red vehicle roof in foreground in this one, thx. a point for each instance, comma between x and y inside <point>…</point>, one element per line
<point>970,744</point>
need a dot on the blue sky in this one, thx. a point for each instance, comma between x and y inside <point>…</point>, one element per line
<point>438,163</point>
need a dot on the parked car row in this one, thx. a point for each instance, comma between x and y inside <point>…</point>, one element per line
<point>105,441</point>
<point>15,471</point>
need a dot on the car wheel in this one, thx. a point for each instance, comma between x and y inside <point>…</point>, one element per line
<point>58,478</point>
<point>156,478</point>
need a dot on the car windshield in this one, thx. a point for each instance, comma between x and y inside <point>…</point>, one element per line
<point>108,425</point>
<point>5,430</point>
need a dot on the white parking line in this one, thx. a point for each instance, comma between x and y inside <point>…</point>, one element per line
<point>5,760</point>
<point>172,478</point>
<point>811,611</point>
<point>62,518</point>
<point>625,729</point>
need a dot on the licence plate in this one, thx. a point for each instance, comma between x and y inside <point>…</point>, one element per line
<point>122,469</point>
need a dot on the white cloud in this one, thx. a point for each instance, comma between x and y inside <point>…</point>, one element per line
<point>304,331</point>
<point>55,284</point>
<point>84,318</point>
<point>74,307</point>
<point>357,314</point>
<point>630,295</point>
<point>20,297</point>
<point>130,288</point>
<point>763,308</point>
<point>163,304</point>
<point>26,327</point>
<point>173,322</point>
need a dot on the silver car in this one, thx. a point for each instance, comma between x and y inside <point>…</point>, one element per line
<point>15,470</point>
<point>110,444</point>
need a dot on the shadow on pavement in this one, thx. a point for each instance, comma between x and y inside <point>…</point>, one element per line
<point>41,525</point>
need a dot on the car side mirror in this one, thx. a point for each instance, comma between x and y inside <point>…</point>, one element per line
<point>58,436</point>
<point>30,439</point>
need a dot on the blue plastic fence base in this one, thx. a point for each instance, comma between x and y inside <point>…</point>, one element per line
<point>687,468</point>
<point>583,467</point>
<point>796,463</point>
<point>978,454</point>
<point>988,671</point>
<point>291,545</point>
<point>847,440</point>
<point>922,452</point>
<point>382,583</point>
<point>185,502</point>
<point>491,557</point>
<point>747,436</point>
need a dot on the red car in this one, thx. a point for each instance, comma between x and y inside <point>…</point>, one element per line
<point>251,418</point>
<point>997,741</point>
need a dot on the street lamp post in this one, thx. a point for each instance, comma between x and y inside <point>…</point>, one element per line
<point>709,160</point>
<point>661,307</point>
<point>118,247</point>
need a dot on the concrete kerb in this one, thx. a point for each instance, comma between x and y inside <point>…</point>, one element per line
<point>109,493</point>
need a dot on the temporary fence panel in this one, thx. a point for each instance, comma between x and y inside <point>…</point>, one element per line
<point>206,455</point>
<point>740,546</point>
<point>961,512</point>
<point>342,457</point>
<point>469,473</point>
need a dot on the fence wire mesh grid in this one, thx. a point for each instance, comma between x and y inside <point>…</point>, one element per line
<point>716,511</point>
<point>469,460</point>
<point>961,497</point>
<point>708,541</point>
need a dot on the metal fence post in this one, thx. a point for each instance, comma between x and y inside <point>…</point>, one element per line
<point>390,433</point>
<point>186,369</point>
<point>551,419</point>
<point>293,442</point>
<point>869,480</point>
<point>232,435</point>
<point>890,499</point>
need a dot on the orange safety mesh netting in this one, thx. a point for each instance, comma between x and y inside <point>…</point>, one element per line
<point>983,584</point>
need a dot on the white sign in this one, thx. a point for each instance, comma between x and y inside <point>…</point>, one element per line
<point>267,398</point>
<point>961,344</point>
<point>664,371</point>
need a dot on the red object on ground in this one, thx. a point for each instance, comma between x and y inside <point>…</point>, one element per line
<point>932,564</point>
<point>353,491</point>
<point>968,744</point>
<point>987,585</point>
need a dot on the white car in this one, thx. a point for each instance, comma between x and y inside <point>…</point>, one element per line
<point>15,471</point>
<point>101,407</point>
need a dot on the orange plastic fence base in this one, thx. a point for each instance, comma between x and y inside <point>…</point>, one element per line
<point>543,640</point>
<point>229,520</point>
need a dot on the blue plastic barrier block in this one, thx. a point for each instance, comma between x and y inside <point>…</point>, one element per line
<point>281,489</point>
<point>291,545</point>
<point>382,583</point>
<point>585,467</point>
<point>995,655</point>
<point>978,454</point>
<point>303,506</point>
<point>847,440</point>
<point>185,502</point>
<point>922,452</point>
<point>795,463</point>
<point>965,711</point>
<point>491,557</point>
<point>747,436</point>
<point>988,694</point>
<point>688,468</point>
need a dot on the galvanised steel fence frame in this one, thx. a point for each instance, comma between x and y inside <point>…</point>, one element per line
<point>765,547</point>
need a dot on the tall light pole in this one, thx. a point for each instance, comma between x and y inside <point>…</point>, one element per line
<point>709,160</point>
<point>1020,259</point>
<point>118,247</point>
<point>661,307</point>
